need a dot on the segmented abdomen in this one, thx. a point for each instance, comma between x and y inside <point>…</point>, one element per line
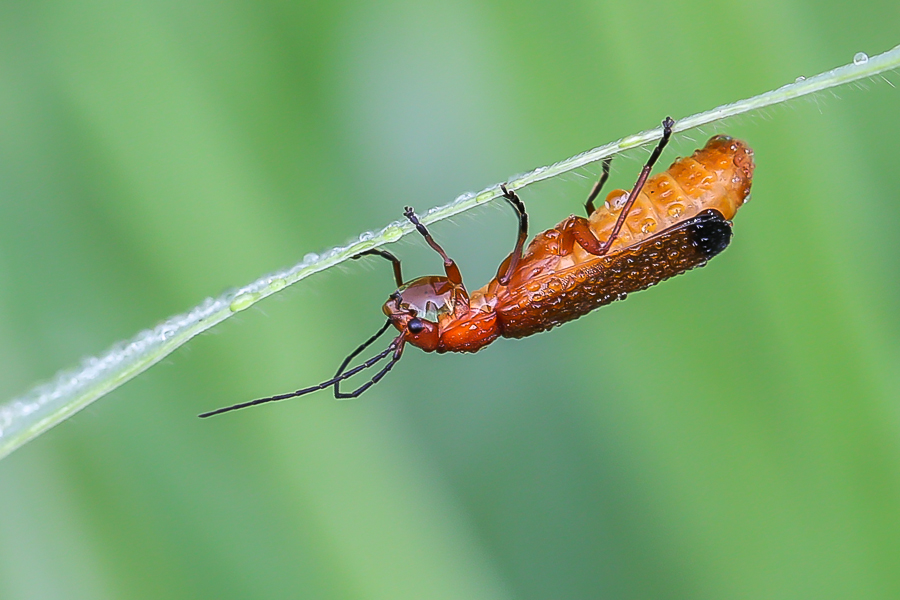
<point>716,176</point>
<point>555,299</point>
<point>663,236</point>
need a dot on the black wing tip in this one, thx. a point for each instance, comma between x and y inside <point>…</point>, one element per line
<point>710,232</point>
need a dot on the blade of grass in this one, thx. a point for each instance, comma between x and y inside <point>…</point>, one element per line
<point>26,417</point>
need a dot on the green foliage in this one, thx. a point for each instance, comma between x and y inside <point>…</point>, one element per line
<point>730,433</point>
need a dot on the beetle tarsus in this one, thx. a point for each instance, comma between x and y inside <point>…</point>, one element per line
<point>595,191</point>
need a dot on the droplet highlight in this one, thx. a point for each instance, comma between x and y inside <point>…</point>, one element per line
<point>276,284</point>
<point>631,141</point>
<point>617,202</point>
<point>242,302</point>
<point>860,58</point>
<point>392,233</point>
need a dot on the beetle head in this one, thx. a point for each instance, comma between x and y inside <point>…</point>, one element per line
<point>417,307</point>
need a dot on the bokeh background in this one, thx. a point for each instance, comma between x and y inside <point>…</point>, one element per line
<point>733,433</point>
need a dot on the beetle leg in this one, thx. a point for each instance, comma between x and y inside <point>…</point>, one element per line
<point>508,266</point>
<point>579,226</point>
<point>450,267</point>
<point>578,229</point>
<point>595,191</point>
<point>398,275</point>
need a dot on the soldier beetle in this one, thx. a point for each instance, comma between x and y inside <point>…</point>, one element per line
<point>667,224</point>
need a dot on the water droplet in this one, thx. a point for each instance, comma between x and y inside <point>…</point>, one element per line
<point>860,58</point>
<point>276,284</point>
<point>366,236</point>
<point>392,233</point>
<point>799,79</point>
<point>311,258</point>
<point>242,302</point>
<point>648,225</point>
<point>631,141</point>
<point>620,201</point>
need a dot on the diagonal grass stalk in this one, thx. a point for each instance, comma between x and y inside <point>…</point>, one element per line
<point>26,417</point>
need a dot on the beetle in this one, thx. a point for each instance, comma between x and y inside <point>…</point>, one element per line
<point>666,225</point>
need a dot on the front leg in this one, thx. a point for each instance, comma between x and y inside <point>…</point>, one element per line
<point>450,267</point>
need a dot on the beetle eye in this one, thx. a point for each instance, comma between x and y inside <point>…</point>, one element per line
<point>415,325</point>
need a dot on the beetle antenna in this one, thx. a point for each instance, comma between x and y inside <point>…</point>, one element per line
<point>395,347</point>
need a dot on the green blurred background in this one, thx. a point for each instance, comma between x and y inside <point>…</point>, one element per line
<point>733,433</point>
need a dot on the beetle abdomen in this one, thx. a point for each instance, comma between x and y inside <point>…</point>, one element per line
<point>716,176</point>
<point>550,300</point>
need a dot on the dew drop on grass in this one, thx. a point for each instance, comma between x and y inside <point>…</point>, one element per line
<point>242,302</point>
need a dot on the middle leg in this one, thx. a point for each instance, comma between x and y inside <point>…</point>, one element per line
<point>579,226</point>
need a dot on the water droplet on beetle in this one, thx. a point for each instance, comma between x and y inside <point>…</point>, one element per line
<point>619,201</point>
<point>676,210</point>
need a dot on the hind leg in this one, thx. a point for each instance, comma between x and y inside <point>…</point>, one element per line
<point>579,227</point>
<point>508,266</point>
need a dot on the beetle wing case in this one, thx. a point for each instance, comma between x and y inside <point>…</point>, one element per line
<point>565,295</point>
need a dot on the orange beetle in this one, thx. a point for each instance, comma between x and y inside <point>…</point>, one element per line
<point>668,224</point>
